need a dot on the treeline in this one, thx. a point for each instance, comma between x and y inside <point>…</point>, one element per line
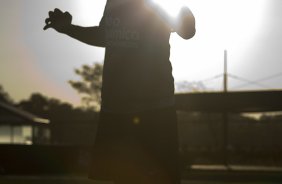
<point>68,125</point>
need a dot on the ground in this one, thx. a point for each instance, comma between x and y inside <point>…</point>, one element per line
<point>84,180</point>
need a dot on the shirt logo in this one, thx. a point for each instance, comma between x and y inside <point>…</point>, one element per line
<point>118,35</point>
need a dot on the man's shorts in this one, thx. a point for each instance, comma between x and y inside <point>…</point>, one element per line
<point>137,148</point>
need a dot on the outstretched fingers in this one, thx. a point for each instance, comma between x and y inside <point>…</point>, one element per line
<point>47,26</point>
<point>48,23</point>
<point>52,16</point>
<point>56,10</point>
<point>57,19</point>
<point>67,14</point>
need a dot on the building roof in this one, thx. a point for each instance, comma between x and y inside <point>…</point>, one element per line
<point>241,101</point>
<point>31,118</point>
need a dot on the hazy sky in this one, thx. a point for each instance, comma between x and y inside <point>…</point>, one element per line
<point>33,60</point>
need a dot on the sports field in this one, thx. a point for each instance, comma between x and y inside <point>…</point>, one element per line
<point>83,180</point>
<point>197,174</point>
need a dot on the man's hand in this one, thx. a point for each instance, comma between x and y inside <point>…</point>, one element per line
<point>185,26</point>
<point>58,20</point>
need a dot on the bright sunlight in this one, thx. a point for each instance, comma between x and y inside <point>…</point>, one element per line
<point>220,25</point>
<point>172,7</point>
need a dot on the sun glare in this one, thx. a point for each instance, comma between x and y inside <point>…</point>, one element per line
<point>231,22</point>
<point>234,25</point>
<point>220,24</point>
<point>172,7</point>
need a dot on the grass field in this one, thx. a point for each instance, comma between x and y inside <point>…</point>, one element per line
<point>197,175</point>
<point>83,180</point>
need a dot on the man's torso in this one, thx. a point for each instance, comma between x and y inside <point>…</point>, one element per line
<point>137,71</point>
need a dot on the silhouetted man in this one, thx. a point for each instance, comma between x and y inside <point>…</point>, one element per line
<point>137,135</point>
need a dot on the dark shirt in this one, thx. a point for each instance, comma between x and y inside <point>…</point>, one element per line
<point>137,71</point>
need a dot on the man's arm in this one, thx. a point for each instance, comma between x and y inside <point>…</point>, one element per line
<point>61,22</point>
<point>89,35</point>
<point>183,24</point>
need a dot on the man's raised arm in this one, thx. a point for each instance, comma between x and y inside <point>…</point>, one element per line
<point>61,22</point>
<point>183,24</point>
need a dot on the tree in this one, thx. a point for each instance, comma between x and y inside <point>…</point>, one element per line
<point>185,86</point>
<point>45,107</point>
<point>4,96</point>
<point>90,85</point>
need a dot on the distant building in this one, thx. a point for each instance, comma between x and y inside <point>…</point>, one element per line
<point>20,127</point>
